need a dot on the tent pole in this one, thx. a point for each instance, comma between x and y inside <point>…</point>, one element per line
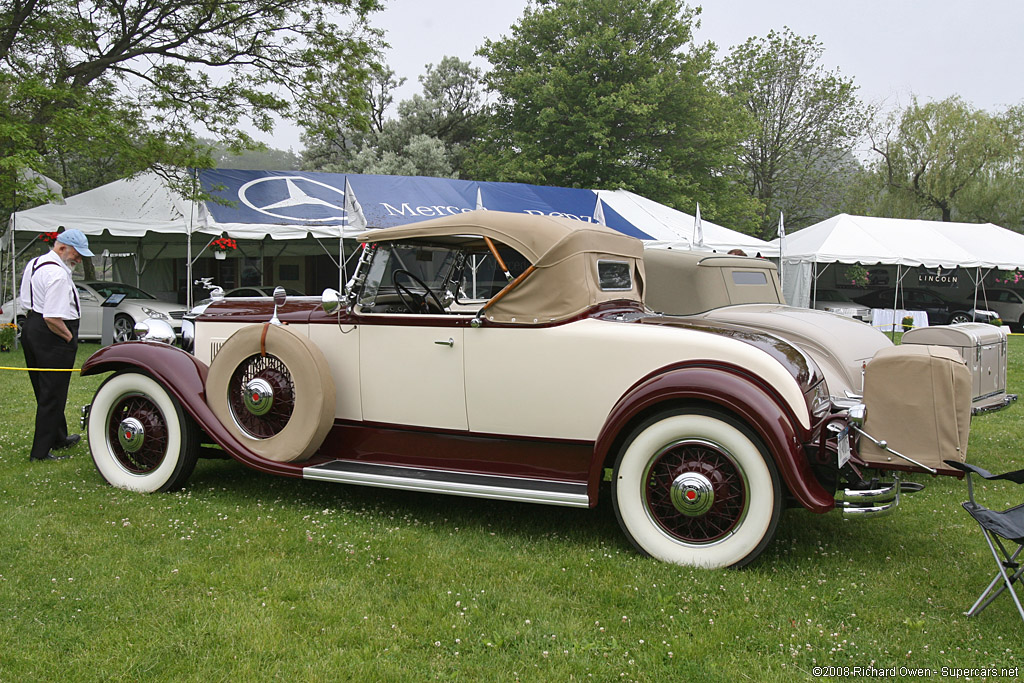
<point>14,282</point>
<point>188,244</point>
<point>814,278</point>
<point>984,292</point>
<point>895,300</point>
<point>343,270</point>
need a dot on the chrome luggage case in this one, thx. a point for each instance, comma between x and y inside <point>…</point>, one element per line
<point>983,348</point>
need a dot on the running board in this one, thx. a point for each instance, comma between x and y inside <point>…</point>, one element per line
<point>452,483</point>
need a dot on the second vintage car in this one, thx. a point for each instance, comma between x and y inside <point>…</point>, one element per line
<point>503,356</point>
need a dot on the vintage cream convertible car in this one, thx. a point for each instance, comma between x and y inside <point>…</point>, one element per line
<point>502,356</point>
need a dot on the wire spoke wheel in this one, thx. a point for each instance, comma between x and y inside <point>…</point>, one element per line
<point>261,395</point>
<point>137,434</point>
<point>696,487</point>
<point>273,391</point>
<point>140,438</point>
<point>695,493</point>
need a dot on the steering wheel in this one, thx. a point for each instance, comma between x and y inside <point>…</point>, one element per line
<point>416,303</point>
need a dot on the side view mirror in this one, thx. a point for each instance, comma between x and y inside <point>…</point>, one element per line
<point>330,300</point>
<point>280,297</point>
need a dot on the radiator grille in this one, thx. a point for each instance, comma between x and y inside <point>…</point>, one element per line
<point>215,345</point>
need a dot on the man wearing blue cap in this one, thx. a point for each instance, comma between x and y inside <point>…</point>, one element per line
<point>50,338</point>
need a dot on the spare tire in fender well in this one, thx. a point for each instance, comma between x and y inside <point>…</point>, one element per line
<point>302,383</point>
<point>729,388</point>
<point>184,376</point>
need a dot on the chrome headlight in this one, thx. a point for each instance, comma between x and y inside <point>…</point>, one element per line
<point>155,330</point>
<point>157,315</point>
<point>188,334</point>
<point>858,414</point>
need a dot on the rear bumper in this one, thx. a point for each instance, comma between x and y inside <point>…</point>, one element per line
<point>879,500</point>
<point>993,403</point>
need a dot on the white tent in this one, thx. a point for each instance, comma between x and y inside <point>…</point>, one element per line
<point>675,229</point>
<point>893,241</point>
<point>141,216</point>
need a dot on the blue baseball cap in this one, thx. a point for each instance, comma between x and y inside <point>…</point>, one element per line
<point>76,239</point>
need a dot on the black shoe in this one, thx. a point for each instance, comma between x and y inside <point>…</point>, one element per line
<point>49,456</point>
<point>68,442</point>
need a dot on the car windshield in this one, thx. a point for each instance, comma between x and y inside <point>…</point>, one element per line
<point>432,265</point>
<point>105,289</point>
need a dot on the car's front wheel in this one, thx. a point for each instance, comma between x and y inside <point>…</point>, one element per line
<point>958,318</point>
<point>139,436</point>
<point>124,327</point>
<point>697,488</point>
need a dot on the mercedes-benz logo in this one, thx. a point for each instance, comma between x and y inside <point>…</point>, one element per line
<point>294,198</point>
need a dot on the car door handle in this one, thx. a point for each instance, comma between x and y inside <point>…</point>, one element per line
<point>450,343</point>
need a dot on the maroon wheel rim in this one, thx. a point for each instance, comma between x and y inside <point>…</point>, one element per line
<point>276,389</point>
<point>695,492</point>
<point>149,434</point>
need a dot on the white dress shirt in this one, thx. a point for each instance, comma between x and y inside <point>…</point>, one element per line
<point>49,290</point>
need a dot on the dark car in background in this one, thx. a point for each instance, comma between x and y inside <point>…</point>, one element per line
<point>939,310</point>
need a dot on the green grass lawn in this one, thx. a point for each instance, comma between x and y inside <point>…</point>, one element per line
<point>244,576</point>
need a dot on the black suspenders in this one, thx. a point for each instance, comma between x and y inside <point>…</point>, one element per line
<point>36,265</point>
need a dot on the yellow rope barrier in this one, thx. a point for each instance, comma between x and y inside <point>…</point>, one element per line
<point>44,369</point>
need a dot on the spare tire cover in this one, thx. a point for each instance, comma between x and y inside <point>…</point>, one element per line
<point>273,390</point>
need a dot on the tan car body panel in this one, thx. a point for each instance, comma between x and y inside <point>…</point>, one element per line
<point>549,382</point>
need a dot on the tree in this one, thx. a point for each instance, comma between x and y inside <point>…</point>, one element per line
<point>428,137</point>
<point>949,161</point>
<point>802,125</point>
<point>611,94</point>
<point>257,160</point>
<point>97,89</point>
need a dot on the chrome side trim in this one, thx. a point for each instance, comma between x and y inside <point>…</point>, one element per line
<point>495,487</point>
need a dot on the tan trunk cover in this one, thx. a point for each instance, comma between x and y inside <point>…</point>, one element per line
<point>919,401</point>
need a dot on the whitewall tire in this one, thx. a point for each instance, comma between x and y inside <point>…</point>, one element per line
<point>697,488</point>
<point>139,436</point>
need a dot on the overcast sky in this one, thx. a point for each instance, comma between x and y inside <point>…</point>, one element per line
<point>891,48</point>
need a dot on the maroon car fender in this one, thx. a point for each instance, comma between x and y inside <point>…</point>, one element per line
<point>735,391</point>
<point>184,376</point>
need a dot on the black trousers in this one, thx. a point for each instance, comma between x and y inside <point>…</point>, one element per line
<point>44,349</point>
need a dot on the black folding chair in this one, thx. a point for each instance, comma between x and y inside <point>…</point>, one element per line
<point>997,526</point>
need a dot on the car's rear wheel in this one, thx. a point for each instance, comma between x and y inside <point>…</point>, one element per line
<point>958,318</point>
<point>139,436</point>
<point>273,390</point>
<point>697,488</point>
<point>124,327</point>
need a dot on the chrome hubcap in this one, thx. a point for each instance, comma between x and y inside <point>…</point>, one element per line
<point>692,494</point>
<point>259,396</point>
<point>131,435</point>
